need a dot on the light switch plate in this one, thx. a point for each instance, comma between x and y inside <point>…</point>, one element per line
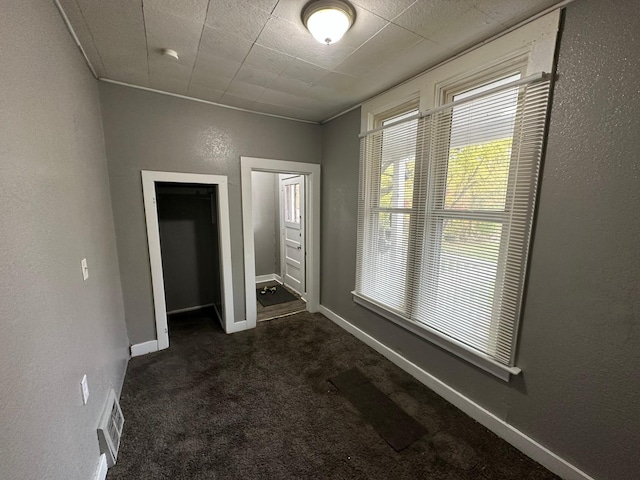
<point>85,269</point>
<point>85,390</point>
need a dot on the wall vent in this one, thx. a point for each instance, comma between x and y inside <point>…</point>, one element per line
<point>110,429</point>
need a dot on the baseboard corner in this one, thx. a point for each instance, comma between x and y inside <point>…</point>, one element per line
<point>101,468</point>
<point>270,277</point>
<point>144,348</point>
<point>236,327</point>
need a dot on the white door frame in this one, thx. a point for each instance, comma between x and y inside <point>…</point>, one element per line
<point>149,180</point>
<point>312,173</point>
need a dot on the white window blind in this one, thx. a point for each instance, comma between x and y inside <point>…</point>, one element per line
<point>446,204</point>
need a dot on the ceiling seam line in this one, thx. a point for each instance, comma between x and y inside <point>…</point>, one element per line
<point>245,57</point>
<point>274,8</point>
<point>195,61</point>
<point>90,35</point>
<point>70,29</point>
<point>146,42</point>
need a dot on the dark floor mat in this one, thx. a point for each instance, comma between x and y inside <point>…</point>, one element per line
<point>281,295</point>
<point>392,423</point>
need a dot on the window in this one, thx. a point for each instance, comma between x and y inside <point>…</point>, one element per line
<point>468,216</point>
<point>445,213</point>
<point>292,203</point>
<point>390,208</point>
<point>446,208</point>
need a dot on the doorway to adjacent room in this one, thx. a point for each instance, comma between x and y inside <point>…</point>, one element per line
<point>281,220</point>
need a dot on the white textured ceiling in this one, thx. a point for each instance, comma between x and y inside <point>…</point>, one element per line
<point>257,54</point>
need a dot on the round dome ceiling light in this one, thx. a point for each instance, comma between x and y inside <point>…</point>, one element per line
<point>328,20</point>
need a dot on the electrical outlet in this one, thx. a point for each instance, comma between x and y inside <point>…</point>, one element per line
<point>85,269</point>
<point>85,390</point>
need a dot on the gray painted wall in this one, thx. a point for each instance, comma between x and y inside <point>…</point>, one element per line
<point>56,210</point>
<point>266,222</point>
<point>579,346</point>
<point>149,131</point>
<point>189,245</point>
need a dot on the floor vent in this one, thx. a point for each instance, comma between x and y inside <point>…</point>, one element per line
<point>110,429</point>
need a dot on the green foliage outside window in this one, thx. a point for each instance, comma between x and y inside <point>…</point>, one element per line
<point>477,180</point>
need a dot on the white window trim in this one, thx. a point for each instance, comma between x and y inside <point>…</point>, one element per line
<point>535,40</point>
<point>443,341</point>
<point>532,45</point>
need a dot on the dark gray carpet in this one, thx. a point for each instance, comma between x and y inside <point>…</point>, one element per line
<point>257,404</point>
<point>392,423</point>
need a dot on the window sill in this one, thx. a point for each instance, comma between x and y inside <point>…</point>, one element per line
<point>446,343</point>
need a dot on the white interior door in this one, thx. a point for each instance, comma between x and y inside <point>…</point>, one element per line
<point>293,233</point>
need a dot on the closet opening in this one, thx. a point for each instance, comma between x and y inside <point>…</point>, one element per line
<point>189,237</point>
<point>189,243</point>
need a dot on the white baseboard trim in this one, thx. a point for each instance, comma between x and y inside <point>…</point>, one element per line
<point>101,469</point>
<point>515,437</point>
<point>268,278</point>
<point>144,348</point>
<point>237,327</point>
<point>190,309</point>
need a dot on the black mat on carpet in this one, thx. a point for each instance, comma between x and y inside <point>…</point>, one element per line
<point>396,427</point>
<point>281,295</point>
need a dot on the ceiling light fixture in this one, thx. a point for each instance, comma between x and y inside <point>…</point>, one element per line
<point>328,20</point>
